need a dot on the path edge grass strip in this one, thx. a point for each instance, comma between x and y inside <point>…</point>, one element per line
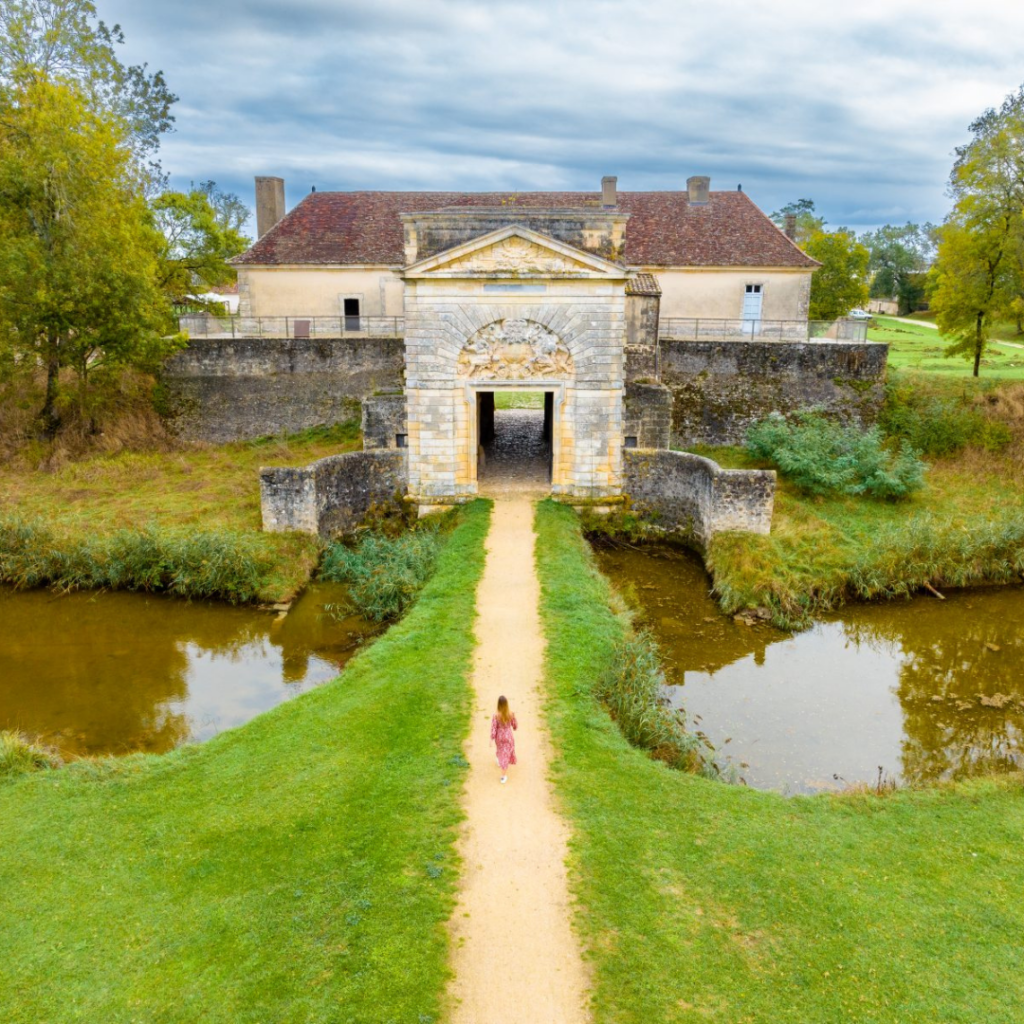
<point>301,867</point>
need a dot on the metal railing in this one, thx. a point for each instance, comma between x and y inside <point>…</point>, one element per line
<point>703,329</point>
<point>199,325</point>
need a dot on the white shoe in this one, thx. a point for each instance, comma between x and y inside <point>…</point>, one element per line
<point>504,778</point>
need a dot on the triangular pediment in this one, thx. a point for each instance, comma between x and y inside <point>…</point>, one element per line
<point>516,252</point>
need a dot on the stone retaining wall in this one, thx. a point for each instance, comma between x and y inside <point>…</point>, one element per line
<point>384,421</point>
<point>720,388</point>
<point>691,494</point>
<point>331,495</point>
<point>230,389</point>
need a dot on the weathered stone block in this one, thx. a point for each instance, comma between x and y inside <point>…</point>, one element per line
<point>331,495</point>
<point>690,494</point>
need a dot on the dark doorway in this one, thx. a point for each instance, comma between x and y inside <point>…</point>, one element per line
<point>352,317</point>
<point>515,431</point>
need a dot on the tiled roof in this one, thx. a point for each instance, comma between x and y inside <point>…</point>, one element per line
<point>664,229</point>
<point>643,284</point>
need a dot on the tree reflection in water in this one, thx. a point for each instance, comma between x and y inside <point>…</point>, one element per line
<point>114,673</point>
<point>928,689</point>
<point>961,679</point>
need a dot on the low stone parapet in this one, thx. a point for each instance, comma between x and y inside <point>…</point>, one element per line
<point>690,494</point>
<point>331,495</point>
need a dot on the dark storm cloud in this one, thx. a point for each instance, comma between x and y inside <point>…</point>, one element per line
<point>857,106</point>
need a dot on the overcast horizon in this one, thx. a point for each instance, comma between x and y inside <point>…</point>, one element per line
<point>859,109</point>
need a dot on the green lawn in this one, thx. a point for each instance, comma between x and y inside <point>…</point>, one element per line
<point>208,490</point>
<point>919,347</point>
<point>699,901</point>
<point>519,400</point>
<point>298,869</point>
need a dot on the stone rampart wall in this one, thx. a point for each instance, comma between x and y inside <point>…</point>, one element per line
<point>720,388</point>
<point>690,494</point>
<point>229,389</point>
<point>384,420</point>
<point>331,495</point>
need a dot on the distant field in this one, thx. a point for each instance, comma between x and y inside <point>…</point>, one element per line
<point>519,400</point>
<point>921,347</point>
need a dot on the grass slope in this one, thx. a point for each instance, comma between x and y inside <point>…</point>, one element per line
<point>920,347</point>
<point>298,869</point>
<point>700,901</point>
<point>213,492</point>
<point>966,527</point>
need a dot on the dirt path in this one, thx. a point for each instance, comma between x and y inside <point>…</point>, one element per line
<point>515,957</point>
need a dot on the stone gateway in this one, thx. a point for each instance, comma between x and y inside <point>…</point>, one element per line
<point>574,296</point>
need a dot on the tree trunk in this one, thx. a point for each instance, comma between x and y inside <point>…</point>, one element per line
<point>978,343</point>
<point>49,421</point>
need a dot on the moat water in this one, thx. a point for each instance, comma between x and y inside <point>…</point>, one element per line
<point>114,673</point>
<point>919,690</point>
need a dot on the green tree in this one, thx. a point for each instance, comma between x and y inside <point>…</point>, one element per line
<point>63,40</point>
<point>79,255</point>
<point>898,257</point>
<point>979,273</point>
<point>231,212</point>
<point>198,243</point>
<point>971,286</point>
<point>807,224</point>
<point>839,284</point>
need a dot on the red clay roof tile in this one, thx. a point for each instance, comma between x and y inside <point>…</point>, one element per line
<point>664,229</point>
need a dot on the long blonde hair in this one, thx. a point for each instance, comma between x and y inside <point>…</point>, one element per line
<point>503,712</point>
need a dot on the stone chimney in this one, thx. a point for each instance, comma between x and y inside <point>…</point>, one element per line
<point>269,204</point>
<point>608,196</point>
<point>699,187</point>
<point>790,227</point>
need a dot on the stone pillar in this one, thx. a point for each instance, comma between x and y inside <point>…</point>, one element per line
<point>269,204</point>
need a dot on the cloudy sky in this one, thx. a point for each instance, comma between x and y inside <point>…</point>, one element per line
<point>857,104</point>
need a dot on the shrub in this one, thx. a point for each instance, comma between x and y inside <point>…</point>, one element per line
<point>226,565</point>
<point>631,691</point>
<point>384,574</point>
<point>19,756</point>
<point>937,422</point>
<point>822,456</point>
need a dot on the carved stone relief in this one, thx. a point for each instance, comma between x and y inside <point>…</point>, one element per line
<point>515,255</point>
<point>514,349</point>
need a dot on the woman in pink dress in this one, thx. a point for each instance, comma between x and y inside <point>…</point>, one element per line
<point>503,724</point>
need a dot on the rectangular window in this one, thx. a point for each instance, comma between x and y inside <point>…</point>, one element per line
<point>631,442</point>
<point>401,440</point>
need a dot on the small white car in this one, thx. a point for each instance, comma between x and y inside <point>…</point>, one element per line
<point>859,314</point>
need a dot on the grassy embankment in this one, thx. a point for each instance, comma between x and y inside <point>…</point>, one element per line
<point>300,868</point>
<point>186,520</point>
<point>920,347</point>
<point>965,527</point>
<point>701,901</point>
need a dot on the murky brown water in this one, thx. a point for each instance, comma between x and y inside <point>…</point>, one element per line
<point>98,673</point>
<point>923,689</point>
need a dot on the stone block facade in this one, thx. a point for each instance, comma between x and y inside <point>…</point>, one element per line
<point>647,416</point>
<point>230,389</point>
<point>514,311</point>
<point>692,495</point>
<point>385,423</point>
<point>719,388</point>
<point>331,495</point>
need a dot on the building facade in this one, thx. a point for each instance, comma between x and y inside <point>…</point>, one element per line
<point>559,293</point>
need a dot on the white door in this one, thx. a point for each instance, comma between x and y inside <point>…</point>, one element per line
<point>752,309</point>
